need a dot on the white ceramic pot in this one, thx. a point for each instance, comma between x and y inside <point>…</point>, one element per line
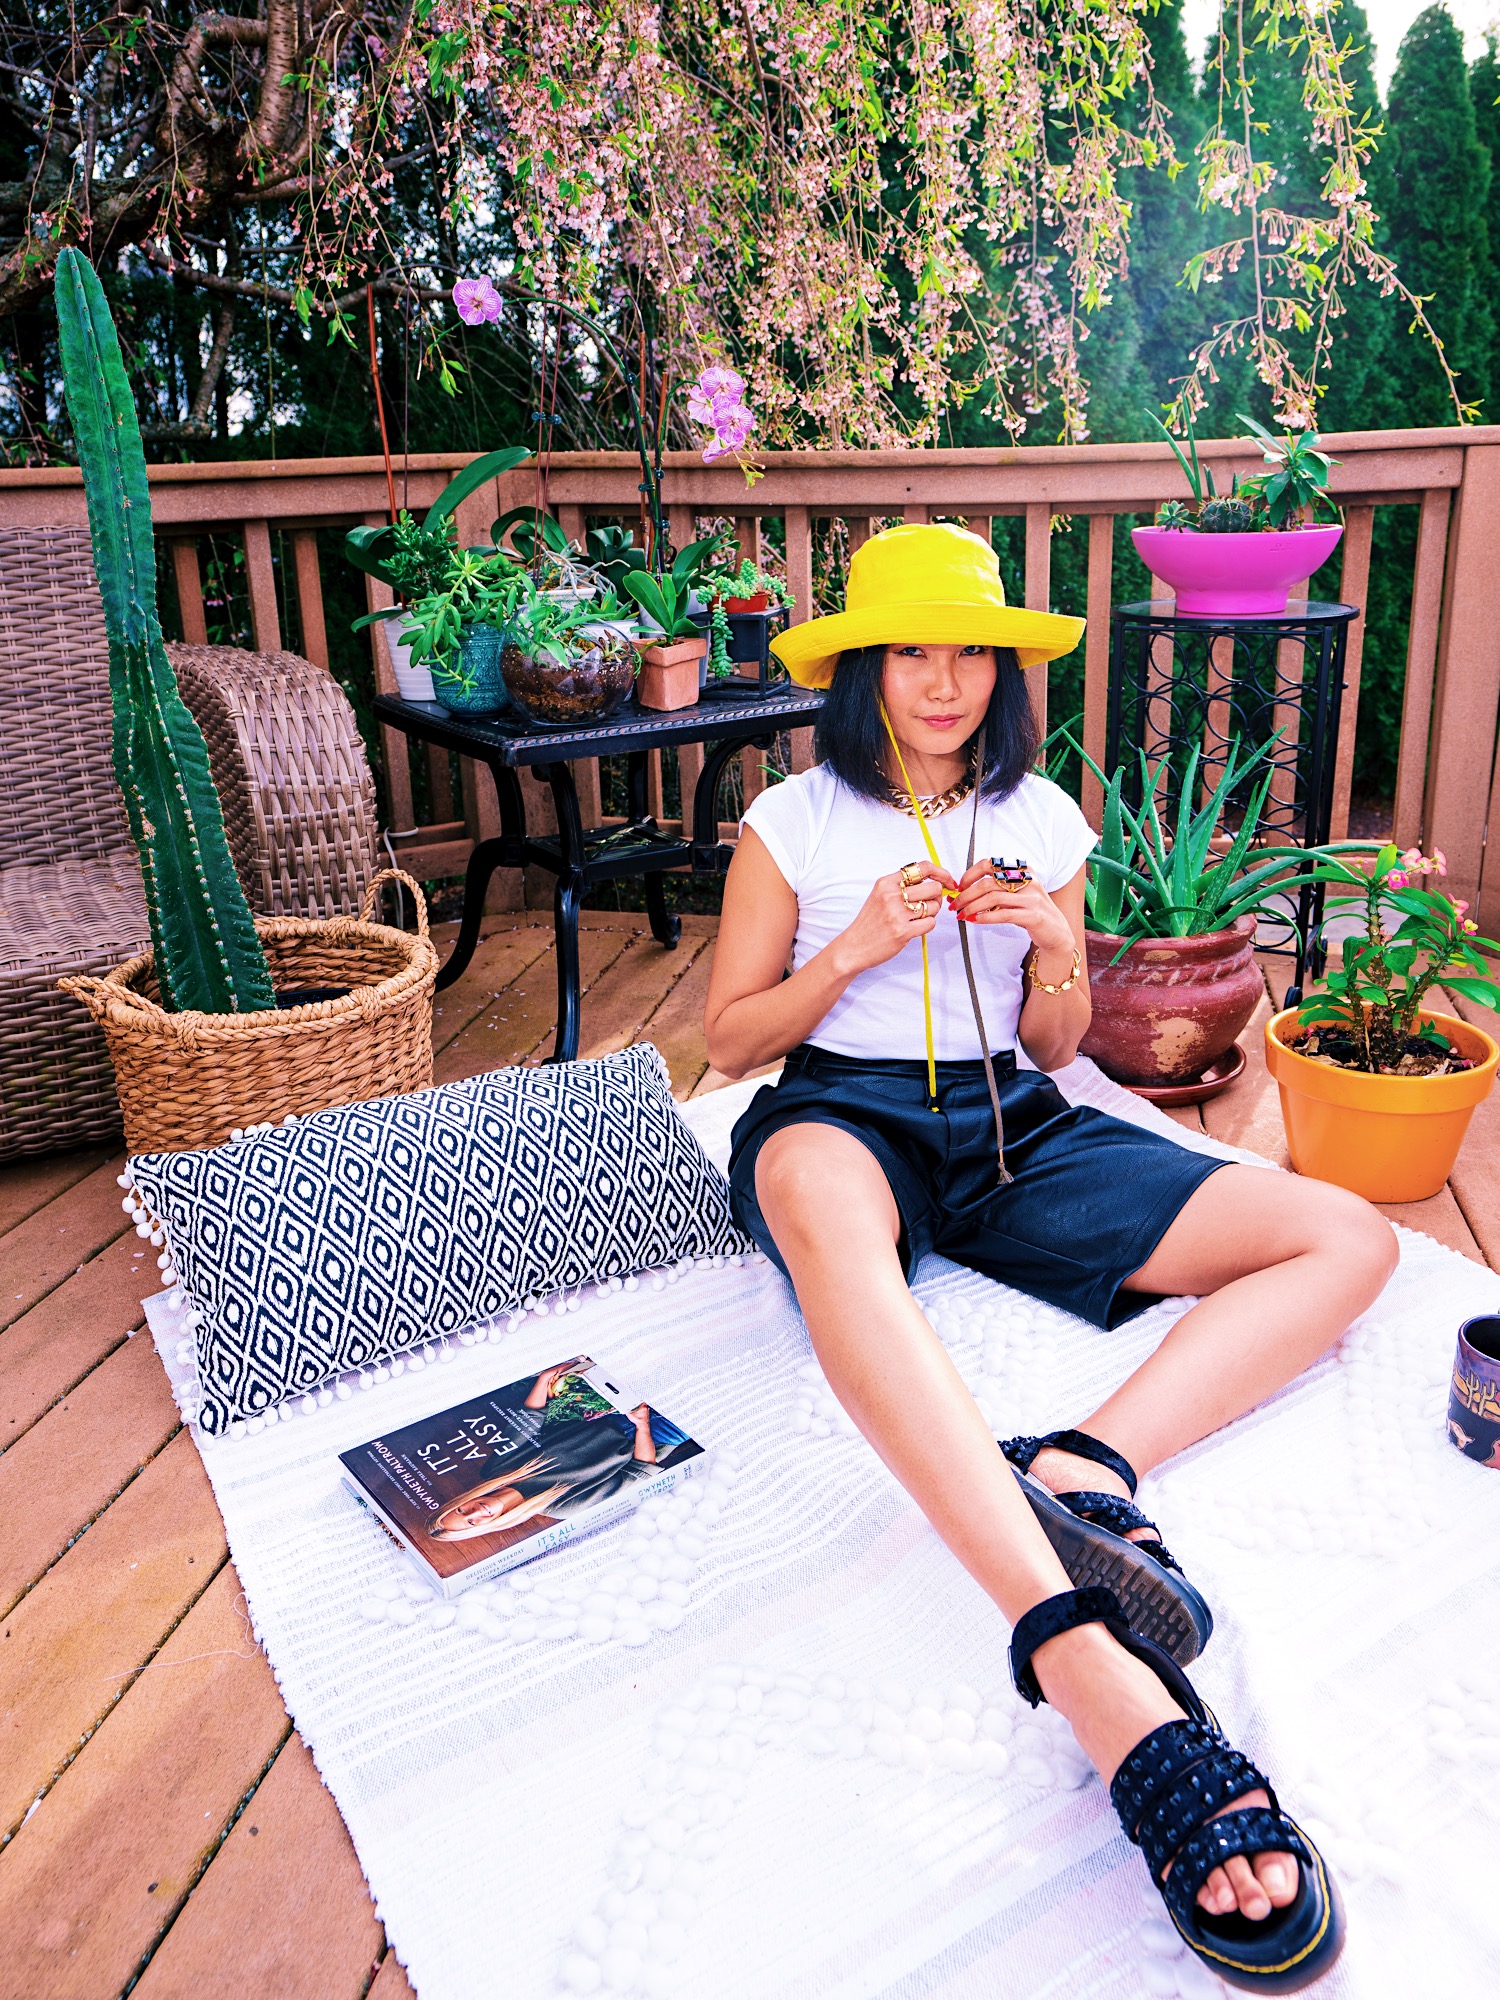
<point>412,683</point>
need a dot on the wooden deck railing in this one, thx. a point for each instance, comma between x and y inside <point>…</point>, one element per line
<point>1446,785</point>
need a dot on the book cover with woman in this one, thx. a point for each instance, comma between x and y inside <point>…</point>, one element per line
<point>477,1480</point>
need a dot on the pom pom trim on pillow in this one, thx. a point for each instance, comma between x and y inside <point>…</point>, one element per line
<point>338,1240</point>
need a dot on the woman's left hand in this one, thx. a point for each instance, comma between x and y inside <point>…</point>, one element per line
<point>982,899</point>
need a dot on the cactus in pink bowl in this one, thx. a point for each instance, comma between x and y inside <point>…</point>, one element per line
<point>1237,555</point>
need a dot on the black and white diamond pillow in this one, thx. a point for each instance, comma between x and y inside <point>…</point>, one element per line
<point>351,1235</point>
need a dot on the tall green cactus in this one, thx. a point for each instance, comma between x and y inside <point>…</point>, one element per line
<point>208,955</point>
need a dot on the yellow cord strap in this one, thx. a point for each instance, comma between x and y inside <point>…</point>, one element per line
<point>932,855</point>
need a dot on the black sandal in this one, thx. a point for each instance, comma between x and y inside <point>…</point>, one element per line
<point>1088,1531</point>
<point>1166,1793</point>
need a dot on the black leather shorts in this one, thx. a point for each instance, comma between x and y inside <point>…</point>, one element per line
<point>1090,1200</point>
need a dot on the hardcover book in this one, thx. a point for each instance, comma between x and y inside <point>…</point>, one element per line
<point>502,1478</point>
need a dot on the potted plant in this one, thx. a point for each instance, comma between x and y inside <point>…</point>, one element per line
<point>226,1021</point>
<point>455,627</point>
<point>740,598</point>
<point>1171,928</point>
<point>1376,1088</point>
<point>415,558</point>
<point>1239,556</point>
<point>566,665</point>
<point>669,673</point>
<point>613,554</point>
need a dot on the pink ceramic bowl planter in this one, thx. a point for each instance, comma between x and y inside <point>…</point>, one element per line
<point>1233,576</point>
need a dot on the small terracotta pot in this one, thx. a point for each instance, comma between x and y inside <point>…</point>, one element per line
<point>1389,1138</point>
<point>669,674</point>
<point>759,602</point>
<point>1171,1006</point>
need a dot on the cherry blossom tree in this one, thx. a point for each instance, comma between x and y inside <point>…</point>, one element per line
<point>865,212</point>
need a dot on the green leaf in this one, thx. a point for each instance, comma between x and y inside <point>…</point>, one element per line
<point>1109,895</point>
<point>371,549</point>
<point>473,477</point>
<point>1190,472</point>
<point>527,526</point>
<point>647,592</point>
<point>1485,991</point>
<point>690,561</point>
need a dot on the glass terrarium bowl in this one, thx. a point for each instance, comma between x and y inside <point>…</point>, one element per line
<point>589,684</point>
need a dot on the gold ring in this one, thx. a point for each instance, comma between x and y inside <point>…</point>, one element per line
<point>911,874</point>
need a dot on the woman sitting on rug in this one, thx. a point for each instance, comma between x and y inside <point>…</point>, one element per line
<point>863,1157</point>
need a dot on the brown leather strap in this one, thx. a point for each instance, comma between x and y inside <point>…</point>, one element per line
<point>963,938</point>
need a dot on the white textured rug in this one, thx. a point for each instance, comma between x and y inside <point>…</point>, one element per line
<point>760,1745</point>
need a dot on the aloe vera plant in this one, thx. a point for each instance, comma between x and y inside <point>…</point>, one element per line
<point>1146,882</point>
<point>207,953</point>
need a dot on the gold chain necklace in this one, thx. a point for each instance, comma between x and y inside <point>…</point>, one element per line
<point>935,805</point>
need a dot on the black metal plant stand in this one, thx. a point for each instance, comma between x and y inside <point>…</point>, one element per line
<point>749,651</point>
<point>581,856</point>
<point>1178,683</point>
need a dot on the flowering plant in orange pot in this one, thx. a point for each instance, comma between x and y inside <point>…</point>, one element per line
<point>1377,1089</point>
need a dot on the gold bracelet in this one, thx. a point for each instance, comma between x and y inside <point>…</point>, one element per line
<point>1067,985</point>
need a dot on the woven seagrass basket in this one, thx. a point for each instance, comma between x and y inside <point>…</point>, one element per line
<point>192,1079</point>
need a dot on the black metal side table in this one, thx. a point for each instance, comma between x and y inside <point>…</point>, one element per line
<point>1177,684</point>
<point>579,856</point>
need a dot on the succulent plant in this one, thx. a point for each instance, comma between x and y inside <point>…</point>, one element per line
<point>1174,514</point>
<point>1230,517</point>
<point>1296,486</point>
<point>207,953</point>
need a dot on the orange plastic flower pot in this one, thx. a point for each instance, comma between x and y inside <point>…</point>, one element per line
<point>1389,1138</point>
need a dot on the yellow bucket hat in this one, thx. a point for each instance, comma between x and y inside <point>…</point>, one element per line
<point>923,586</point>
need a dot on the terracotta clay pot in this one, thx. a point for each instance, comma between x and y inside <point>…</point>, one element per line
<point>1171,1006</point>
<point>669,674</point>
<point>1389,1138</point>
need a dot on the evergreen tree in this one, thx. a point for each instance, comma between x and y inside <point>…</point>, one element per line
<point>1283,135</point>
<point>1359,388</point>
<point>1484,91</point>
<point>1439,232</point>
<point>1165,226</point>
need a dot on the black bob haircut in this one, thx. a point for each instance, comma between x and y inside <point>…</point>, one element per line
<point>852,742</point>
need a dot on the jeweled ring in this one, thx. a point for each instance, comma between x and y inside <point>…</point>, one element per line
<point>911,875</point>
<point>1011,874</point>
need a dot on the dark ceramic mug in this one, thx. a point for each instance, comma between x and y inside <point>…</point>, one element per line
<point>1474,1396</point>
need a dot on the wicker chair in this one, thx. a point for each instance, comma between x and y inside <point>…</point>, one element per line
<point>291,773</point>
<point>298,802</point>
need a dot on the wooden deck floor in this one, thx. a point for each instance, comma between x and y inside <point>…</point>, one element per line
<point>164,1831</point>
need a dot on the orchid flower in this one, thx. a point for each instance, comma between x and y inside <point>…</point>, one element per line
<point>717,400</point>
<point>477,301</point>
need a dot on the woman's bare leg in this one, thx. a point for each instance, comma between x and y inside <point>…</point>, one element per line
<point>831,1212</point>
<point>1281,1266</point>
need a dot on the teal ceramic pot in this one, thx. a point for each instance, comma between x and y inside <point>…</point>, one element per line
<point>589,684</point>
<point>476,686</point>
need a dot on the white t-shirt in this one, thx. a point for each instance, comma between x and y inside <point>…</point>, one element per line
<point>831,844</point>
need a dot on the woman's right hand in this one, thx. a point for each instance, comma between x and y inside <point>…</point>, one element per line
<point>886,923</point>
